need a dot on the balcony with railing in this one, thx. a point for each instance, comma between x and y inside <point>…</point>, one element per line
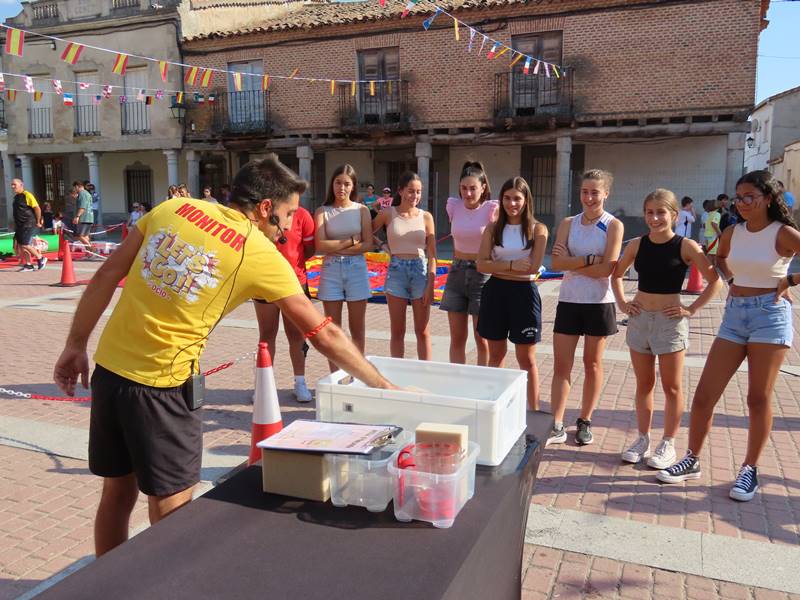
<point>238,113</point>
<point>375,105</point>
<point>135,118</point>
<point>45,13</point>
<point>87,122</point>
<point>532,100</point>
<point>40,123</point>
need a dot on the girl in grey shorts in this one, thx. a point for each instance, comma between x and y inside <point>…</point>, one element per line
<point>658,322</point>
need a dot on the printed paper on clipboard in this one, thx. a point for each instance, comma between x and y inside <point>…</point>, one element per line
<point>338,438</point>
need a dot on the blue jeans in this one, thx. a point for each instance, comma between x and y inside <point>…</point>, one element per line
<point>757,319</point>
<point>344,278</point>
<point>406,278</point>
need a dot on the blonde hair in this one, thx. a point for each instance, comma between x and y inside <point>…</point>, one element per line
<point>664,198</point>
<point>599,175</point>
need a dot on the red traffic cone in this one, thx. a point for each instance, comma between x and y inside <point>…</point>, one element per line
<point>695,285</point>
<point>124,231</point>
<point>266,410</point>
<point>67,272</point>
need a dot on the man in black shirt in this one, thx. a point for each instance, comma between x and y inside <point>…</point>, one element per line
<point>27,217</point>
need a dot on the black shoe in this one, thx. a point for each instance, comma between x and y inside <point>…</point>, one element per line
<point>687,468</point>
<point>746,484</point>
<point>583,437</point>
<point>26,269</point>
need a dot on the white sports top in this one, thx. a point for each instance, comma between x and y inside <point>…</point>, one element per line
<point>753,259</point>
<point>584,240</point>
<point>342,222</point>
<point>513,247</point>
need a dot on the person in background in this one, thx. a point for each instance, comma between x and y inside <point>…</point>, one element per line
<point>757,325</point>
<point>386,200</point>
<point>658,324</point>
<point>371,200</point>
<point>172,192</point>
<point>84,217</point>
<point>47,217</point>
<point>701,232</point>
<point>512,250</point>
<point>788,197</point>
<point>183,191</point>
<point>713,231</point>
<point>686,217</point>
<point>412,269</point>
<point>296,244</point>
<point>58,222</point>
<point>469,215</point>
<point>135,215</point>
<point>727,214</point>
<point>343,235</point>
<point>207,195</point>
<point>89,186</point>
<point>587,248</point>
<point>27,217</point>
<point>225,194</point>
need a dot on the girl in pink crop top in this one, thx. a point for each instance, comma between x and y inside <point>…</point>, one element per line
<point>467,223</point>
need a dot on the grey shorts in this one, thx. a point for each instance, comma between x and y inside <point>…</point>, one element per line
<point>462,292</point>
<point>655,333</point>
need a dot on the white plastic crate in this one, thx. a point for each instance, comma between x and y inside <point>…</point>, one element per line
<point>491,402</point>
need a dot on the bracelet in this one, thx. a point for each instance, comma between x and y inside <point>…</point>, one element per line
<point>309,334</point>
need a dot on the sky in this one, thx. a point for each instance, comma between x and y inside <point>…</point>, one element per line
<point>779,54</point>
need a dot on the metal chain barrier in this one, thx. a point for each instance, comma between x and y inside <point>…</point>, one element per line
<point>29,396</point>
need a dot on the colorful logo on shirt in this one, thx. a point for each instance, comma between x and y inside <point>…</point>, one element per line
<point>172,265</point>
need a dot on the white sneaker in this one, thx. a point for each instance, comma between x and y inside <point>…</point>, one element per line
<point>639,450</point>
<point>301,392</point>
<point>664,455</point>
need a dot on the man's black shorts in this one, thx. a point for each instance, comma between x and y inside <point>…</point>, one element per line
<point>148,431</point>
<point>83,229</point>
<point>24,235</point>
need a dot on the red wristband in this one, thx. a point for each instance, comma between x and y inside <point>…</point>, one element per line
<point>309,334</point>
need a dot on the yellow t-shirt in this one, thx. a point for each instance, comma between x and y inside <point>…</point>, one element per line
<point>713,217</point>
<point>198,262</point>
<point>30,199</point>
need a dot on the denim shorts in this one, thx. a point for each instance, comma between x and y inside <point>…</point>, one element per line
<point>655,333</point>
<point>757,319</point>
<point>462,292</point>
<point>344,278</point>
<point>406,278</point>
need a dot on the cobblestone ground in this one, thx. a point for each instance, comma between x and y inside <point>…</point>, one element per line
<point>47,502</point>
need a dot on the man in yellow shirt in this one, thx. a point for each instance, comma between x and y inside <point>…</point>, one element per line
<point>27,217</point>
<point>188,263</point>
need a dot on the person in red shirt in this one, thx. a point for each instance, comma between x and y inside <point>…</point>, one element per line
<point>296,244</point>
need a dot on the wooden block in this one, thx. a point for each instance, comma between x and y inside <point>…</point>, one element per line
<point>441,433</point>
<point>297,474</point>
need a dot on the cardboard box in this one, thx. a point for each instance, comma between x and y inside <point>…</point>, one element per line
<point>296,474</point>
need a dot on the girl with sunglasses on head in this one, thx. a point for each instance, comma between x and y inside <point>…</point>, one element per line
<point>512,250</point>
<point>469,215</point>
<point>754,256</point>
<point>658,324</point>
<point>343,234</point>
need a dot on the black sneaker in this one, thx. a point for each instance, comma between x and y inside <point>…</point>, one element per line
<point>687,468</point>
<point>557,436</point>
<point>26,269</point>
<point>746,484</point>
<point>583,437</point>
<point>41,263</point>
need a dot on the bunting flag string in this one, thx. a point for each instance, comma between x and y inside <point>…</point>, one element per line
<point>2,83</point>
<point>518,58</point>
<point>455,27</point>
<point>59,89</point>
<point>237,82</point>
<point>15,41</point>
<point>120,64</point>
<point>68,100</point>
<point>191,76</point>
<point>72,53</point>
<point>294,74</point>
<point>162,69</point>
<point>265,83</point>
<point>29,85</point>
<point>429,21</point>
<point>472,33</point>
<point>206,79</point>
<point>37,96</point>
<point>11,95</point>
<point>84,86</point>
<point>333,87</point>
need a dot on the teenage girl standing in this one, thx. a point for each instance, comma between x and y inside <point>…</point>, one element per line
<point>587,248</point>
<point>469,216</point>
<point>512,250</point>
<point>343,235</point>
<point>754,257</point>
<point>412,270</point>
<point>658,324</point>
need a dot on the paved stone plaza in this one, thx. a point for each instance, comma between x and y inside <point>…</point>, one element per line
<point>598,528</point>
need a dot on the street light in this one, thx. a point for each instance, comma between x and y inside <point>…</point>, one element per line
<point>178,110</point>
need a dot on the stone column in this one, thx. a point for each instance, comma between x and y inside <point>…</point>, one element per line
<point>424,152</point>
<point>563,179</point>
<point>27,171</point>
<point>172,167</point>
<point>735,163</point>
<point>94,177</point>
<point>8,175</point>
<point>193,163</point>
<point>305,154</point>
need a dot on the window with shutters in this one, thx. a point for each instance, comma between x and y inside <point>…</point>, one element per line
<point>532,91</point>
<point>135,116</point>
<point>381,65</point>
<point>246,106</point>
<point>86,114</point>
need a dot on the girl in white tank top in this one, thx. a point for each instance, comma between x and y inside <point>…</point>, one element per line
<point>587,248</point>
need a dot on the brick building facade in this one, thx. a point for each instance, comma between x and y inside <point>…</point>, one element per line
<point>657,91</point>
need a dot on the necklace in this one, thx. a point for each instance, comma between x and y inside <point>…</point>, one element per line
<point>592,221</point>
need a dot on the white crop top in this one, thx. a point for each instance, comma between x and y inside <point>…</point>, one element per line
<point>342,222</point>
<point>753,259</point>
<point>584,240</point>
<point>513,247</point>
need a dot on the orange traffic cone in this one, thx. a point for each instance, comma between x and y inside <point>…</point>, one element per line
<point>124,231</point>
<point>67,272</point>
<point>695,285</point>
<point>266,410</point>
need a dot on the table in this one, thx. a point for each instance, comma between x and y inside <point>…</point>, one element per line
<point>236,542</point>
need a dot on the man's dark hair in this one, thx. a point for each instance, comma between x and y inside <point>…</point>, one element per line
<point>77,183</point>
<point>86,183</point>
<point>265,178</point>
<point>722,197</point>
<point>686,201</point>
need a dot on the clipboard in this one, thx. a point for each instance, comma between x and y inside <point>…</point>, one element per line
<point>326,437</point>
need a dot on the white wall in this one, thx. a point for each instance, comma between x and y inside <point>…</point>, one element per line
<point>361,160</point>
<point>756,158</point>
<point>692,167</point>
<point>500,162</point>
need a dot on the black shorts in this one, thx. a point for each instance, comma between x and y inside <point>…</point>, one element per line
<point>597,320</point>
<point>510,310</point>
<point>24,235</point>
<point>83,229</point>
<point>148,431</point>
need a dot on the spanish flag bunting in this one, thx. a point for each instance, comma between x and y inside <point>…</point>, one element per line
<point>179,98</point>
<point>493,50</point>
<point>72,53</point>
<point>527,68</point>
<point>11,95</point>
<point>371,88</point>
<point>503,51</point>
<point>536,68</point>
<point>518,58</point>
<point>353,88</point>
<point>265,83</point>
<point>120,64</point>
<point>333,87</point>
<point>294,73</point>
<point>37,96</point>
<point>162,68</point>
<point>205,80</point>
<point>15,41</point>
<point>455,29</point>
<point>237,82</point>
<point>191,75</point>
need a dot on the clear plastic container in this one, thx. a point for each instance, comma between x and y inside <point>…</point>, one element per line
<point>359,480</point>
<point>433,497</point>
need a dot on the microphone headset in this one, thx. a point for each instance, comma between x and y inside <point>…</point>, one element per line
<point>276,221</point>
